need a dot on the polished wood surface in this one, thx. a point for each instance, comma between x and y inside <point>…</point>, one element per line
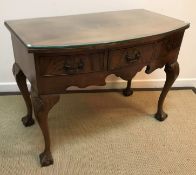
<point>22,84</point>
<point>172,72</point>
<point>82,50</point>
<point>71,64</point>
<point>89,29</point>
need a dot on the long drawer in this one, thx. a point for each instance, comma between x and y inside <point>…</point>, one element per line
<point>71,64</point>
<point>122,57</point>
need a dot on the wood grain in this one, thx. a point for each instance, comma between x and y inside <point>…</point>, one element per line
<point>82,50</point>
<point>92,29</point>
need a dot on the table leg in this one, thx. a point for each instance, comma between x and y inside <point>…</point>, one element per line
<point>172,72</point>
<point>21,82</point>
<point>42,105</point>
<point>128,91</point>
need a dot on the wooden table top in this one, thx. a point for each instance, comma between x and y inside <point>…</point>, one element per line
<point>91,29</point>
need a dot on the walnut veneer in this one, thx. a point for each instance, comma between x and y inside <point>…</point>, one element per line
<point>81,50</point>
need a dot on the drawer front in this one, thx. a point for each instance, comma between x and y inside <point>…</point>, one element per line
<point>129,56</point>
<point>71,64</point>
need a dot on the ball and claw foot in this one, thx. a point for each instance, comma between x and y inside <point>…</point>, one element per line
<point>161,116</point>
<point>27,121</point>
<point>46,159</point>
<point>127,92</point>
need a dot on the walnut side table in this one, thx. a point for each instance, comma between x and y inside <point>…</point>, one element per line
<point>81,50</point>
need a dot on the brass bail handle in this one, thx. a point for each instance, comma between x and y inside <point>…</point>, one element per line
<point>73,69</point>
<point>132,57</point>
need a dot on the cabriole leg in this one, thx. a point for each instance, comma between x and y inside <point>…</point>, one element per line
<point>128,91</point>
<point>21,82</point>
<point>172,72</point>
<point>42,105</point>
